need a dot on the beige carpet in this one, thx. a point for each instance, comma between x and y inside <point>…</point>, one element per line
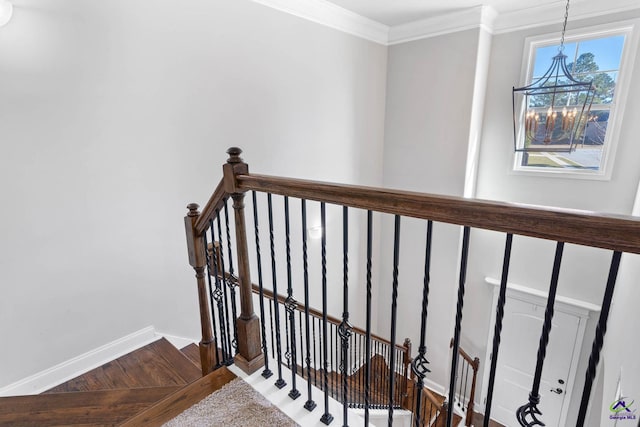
<point>236,404</point>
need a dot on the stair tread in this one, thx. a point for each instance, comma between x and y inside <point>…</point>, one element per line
<point>102,407</point>
<point>192,352</point>
<point>157,364</point>
<point>174,404</point>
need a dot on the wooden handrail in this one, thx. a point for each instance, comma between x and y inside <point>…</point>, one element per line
<point>215,203</point>
<point>473,361</point>
<point>330,319</point>
<point>615,232</point>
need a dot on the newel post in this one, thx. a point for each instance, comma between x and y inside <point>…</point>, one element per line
<point>198,260</point>
<point>249,357</point>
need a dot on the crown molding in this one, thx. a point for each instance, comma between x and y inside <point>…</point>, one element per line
<point>475,17</point>
<point>552,14</point>
<point>333,16</point>
<point>484,17</point>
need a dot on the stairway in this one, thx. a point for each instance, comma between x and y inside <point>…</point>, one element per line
<point>148,386</point>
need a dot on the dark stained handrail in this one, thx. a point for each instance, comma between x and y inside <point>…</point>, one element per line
<point>607,231</point>
<point>216,202</point>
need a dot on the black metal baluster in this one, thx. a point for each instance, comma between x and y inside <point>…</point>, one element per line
<point>210,261</point>
<point>419,364</point>
<point>315,356</point>
<point>335,393</point>
<point>266,372</point>
<point>273,353</point>
<point>309,404</point>
<point>287,350</point>
<point>232,282</point>
<point>498,327</point>
<point>345,328</point>
<point>598,341</point>
<point>530,409</point>
<point>280,382</point>
<point>456,335</point>
<point>466,377</point>
<point>394,313</point>
<point>290,306</point>
<point>222,295</point>
<point>228,357</point>
<point>326,417</point>
<point>302,347</point>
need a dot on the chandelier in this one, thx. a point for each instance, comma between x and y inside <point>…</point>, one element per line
<point>551,113</point>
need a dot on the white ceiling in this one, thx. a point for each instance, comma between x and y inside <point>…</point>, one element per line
<point>396,12</point>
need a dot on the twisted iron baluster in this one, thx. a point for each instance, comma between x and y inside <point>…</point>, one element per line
<point>528,413</point>
<point>419,364</point>
<point>266,372</point>
<point>228,357</point>
<point>456,335</point>
<point>498,327</point>
<point>345,328</point>
<point>326,417</point>
<point>598,341</point>
<point>290,306</point>
<point>394,314</point>
<point>209,258</point>
<point>276,309</point>
<point>309,404</point>
<point>232,282</point>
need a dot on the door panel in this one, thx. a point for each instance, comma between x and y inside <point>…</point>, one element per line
<point>522,327</point>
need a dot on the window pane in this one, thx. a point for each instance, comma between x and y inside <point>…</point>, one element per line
<point>595,60</point>
<point>588,153</point>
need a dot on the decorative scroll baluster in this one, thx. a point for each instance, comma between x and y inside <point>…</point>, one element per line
<point>210,259</point>
<point>232,282</point>
<point>266,373</point>
<point>498,327</point>
<point>225,298</point>
<point>309,404</point>
<point>419,364</point>
<point>290,306</point>
<point>598,341</point>
<point>218,296</point>
<point>326,417</point>
<point>280,382</point>
<point>345,328</point>
<point>394,314</point>
<point>527,414</point>
<point>456,335</point>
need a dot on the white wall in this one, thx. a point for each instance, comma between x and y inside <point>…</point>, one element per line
<point>115,115</point>
<point>430,89</point>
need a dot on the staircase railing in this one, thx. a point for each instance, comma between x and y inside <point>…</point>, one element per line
<point>357,363</point>
<point>465,385</point>
<point>249,346</point>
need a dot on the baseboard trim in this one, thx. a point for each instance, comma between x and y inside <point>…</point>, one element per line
<point>51,377</point>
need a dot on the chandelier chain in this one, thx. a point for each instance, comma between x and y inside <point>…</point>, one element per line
<point>564,26</point>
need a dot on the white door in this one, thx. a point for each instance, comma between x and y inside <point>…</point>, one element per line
<point>522,327</point>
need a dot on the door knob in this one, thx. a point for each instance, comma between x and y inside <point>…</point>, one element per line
<point>556,390</point>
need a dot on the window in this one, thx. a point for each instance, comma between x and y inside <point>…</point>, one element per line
<point>596,56</point>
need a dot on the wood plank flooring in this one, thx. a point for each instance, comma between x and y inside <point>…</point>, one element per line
<point>103,407</point>
<point>155,365</point>
<point>110,394</point>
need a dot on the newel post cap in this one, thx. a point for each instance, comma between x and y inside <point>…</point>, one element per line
<point>193,209</point>
<point>234,155</point>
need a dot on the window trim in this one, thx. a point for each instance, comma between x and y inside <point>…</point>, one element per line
<point>628,29</point>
